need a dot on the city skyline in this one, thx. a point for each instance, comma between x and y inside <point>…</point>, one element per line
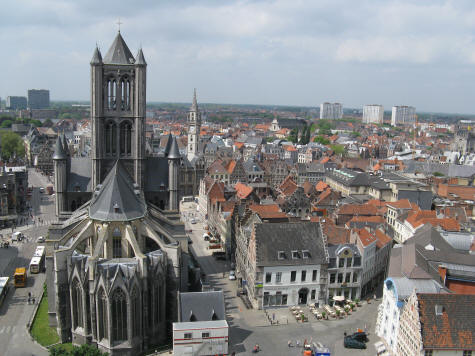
<point>269,53</point>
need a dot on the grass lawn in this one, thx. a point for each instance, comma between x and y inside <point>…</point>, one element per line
<point>41,331</point>
<point>44,334</point>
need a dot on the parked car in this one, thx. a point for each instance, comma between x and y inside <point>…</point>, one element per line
<point>351,343</point>
<point>360,336</point>
<point>193,221</point>
<point>206,237</point>
<point>219,255</point>
<point>40,239</point>
<point>232,276</point>
<point>42,190</point>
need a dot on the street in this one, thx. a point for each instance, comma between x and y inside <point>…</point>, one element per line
<point>16,312</point>
<point>249,327</point>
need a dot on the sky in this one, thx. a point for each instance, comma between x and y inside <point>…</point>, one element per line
<point>282,52</point>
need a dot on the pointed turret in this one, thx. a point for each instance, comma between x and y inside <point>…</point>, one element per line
<point>169,144</point>
<point>59,150</point>
<point>65,144</point>
<point>118,52</point>
<point>96,57</point>
<point>174,150</point>
<point>140,59</point>
<point>194,104</point>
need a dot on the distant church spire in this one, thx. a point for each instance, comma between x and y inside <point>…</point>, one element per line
<point>194,105</point>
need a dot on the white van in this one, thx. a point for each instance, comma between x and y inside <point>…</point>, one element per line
<point>17,236</point>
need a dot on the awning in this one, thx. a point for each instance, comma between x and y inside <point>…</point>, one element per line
<point>338,298</point>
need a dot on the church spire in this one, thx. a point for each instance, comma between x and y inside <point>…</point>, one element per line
<point>194,104</point>
<point>96,57</point>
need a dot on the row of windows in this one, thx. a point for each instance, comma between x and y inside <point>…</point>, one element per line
<point>125,138</point>
<point>119,94</point>
<point>119,311</point>
<point>345,262</point>
<point>340,277</point>
<point>293,276</point>
<point>189,336</point>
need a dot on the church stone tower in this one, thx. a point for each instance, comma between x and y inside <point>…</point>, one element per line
<point>194,128</point>
<point>173,168</point>
<point>118,97</point>
<point>60,161</point>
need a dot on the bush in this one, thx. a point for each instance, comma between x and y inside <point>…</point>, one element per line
<point>83,350</point>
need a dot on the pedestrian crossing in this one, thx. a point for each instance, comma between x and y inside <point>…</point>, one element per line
<point>8,329</point>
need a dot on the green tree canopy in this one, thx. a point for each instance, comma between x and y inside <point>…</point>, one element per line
<point>11,145</point>
<point>6,124</point>
<point>83,350</point>
<point>338,149</point>
<point>321,140</point>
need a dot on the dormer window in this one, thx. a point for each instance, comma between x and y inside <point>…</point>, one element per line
<point>295,255</point>
<point>281,255</point>
<point>306,254</point>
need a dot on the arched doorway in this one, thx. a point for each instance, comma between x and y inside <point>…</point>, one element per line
<point>303,293</point>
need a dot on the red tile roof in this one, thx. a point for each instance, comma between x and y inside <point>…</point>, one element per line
<point>454,328</point>
<point>242,190</point>
<point>400,204</point>
<point>271,211</point>
<point>382,238</point>
<point>321,186</point>
<point>357,209</point>
<point>365,237</point>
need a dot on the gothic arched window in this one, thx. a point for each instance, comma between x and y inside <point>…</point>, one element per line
<point>156,304</point>
<point>76,296</point>
<point>119,315</point>
<point>111,138</point>
<point>128,95</point>
<point>102,315</point>
<point>136,320</point>
<point>125,138</point>
<point>122,95</point>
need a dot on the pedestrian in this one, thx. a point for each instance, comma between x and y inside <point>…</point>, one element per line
<point>273,316</point>
<point>297,343</point>
<point>289,343</point>
<point>33,299</point>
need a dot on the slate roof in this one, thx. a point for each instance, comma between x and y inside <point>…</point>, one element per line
<point>455,328</point>
<point>96,57</point>
<point>156,178</point>
<point>174,151</point>
<point>202,305</point>
<point>403,287</point>
<point>118,52</point>
<point>117,200</point>
<point>79,177</point>
<point>59,150</point>
<point>287,237</point>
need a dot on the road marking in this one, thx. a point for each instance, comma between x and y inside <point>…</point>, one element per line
<point>1,330</point>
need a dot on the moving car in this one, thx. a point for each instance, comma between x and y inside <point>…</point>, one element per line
<point>193,221</point>
<point>42,190</point>
<point>232,275</point>
<point>40,239</point>
<point>350,343</point>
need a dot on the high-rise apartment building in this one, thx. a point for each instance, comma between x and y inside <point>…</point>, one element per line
<point>403,115</point>
<point>331,111</point>
<point>373,114</point>
<point>16,102</point>
<point>38,98</point>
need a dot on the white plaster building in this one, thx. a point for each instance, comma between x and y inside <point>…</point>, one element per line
<point>396,290</point>
<point>332,111</point>
<point>403,115</point>
<point>373,114</point>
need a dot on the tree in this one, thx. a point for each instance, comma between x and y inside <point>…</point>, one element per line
<point>6,124</point>
<point>83,350</point>
<point>11,145</point>
<point>321,140</point>
<point>294,134</point>
<point>338,149</point>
